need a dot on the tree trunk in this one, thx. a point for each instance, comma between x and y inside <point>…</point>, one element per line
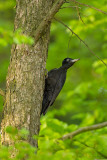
<point>25,79</point>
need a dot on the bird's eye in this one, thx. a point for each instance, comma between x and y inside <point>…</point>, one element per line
<point>67,60</point>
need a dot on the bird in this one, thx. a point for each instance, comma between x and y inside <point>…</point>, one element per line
<point>54,82</point>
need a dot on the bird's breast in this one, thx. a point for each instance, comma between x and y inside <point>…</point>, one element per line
<point>62,79</point>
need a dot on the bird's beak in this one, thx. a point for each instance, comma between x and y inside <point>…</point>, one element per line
<point>75,60</point>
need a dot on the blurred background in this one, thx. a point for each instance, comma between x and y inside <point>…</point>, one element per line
<point>83,99</point>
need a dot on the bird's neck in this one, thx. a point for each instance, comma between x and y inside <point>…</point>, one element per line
<point>64,68</point>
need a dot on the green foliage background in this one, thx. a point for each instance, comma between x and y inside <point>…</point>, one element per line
<point>83,99</point>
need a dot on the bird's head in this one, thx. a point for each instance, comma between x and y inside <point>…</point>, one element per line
<point>68,62</point>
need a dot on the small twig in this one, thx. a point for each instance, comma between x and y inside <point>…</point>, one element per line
<point>79,15</point>
<point>48,18</point>
<point>70,7</point>
<point>97,9</point>
<point>81,40</point>
<point>104,156</point>
<point>84,129</point>
<point>2,93</point>
<point>69,45</point>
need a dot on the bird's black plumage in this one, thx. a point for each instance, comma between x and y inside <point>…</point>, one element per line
<point>54,83</point>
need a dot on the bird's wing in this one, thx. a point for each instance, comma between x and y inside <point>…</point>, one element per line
<point>50,82</point>
<point>53,86</point>
<point>58,86</point>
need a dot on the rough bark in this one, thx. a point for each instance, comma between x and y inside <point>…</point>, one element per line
<point>25,79</point>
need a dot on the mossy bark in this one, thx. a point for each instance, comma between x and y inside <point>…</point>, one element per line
<point>25,79</point>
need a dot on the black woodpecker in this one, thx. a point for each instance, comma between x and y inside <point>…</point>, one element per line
<point>54,83</point>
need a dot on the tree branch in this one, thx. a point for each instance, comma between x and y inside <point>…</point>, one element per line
<point>86,5</point>
<point>48,18</point>
<point>2,93</point>
<point>79,15</point>
<point>84,129</point>
<point>80,40</point>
